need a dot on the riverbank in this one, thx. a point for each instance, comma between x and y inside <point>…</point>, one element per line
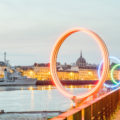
<point>68,82</point>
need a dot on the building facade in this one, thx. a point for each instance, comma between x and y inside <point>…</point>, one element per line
<point>80,71</point>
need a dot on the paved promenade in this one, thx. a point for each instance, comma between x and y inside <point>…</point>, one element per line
<point>116,116</point>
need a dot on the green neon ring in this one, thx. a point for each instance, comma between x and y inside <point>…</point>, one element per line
<point>111,74</point>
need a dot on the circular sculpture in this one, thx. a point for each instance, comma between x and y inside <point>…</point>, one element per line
<point>53,59</point>
<point>99,68</point>
<point>112,70</point>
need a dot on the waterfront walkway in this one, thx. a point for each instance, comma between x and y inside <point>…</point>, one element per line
<point>116,116</point>
<point>105,107</point>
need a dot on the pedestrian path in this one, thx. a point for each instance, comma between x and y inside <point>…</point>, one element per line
<point>116,116</point>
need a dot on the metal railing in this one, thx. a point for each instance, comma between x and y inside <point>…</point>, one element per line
<point>101,108</point>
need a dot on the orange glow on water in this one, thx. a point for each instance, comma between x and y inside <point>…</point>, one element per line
<point>31,88</point>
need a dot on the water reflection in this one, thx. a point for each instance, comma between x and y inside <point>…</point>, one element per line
<point>37,98</point>
<point>32,99</point>
<point>31,88</point>
<point>46,87</point>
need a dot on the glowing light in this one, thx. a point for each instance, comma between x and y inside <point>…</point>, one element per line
<point>48,73</point>
<point>112,70</point>
<point>90,73</point>
<point>71,74</point>
<point>53,59</point>
<point>31,88</point>
<point>90,87</point>
<point>31,73</point>
<point>49,87</point>
<point>71,87</point>
<point>99,68</point>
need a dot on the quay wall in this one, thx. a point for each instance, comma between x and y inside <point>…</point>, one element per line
<point>71,82</point>
<point>68,82</point>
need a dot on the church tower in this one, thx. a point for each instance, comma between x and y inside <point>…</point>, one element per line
<point>81,62</point>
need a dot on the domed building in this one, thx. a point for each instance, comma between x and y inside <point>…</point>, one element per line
<point>81,62</point>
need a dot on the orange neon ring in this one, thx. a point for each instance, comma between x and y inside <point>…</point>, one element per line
<point>53,59</point>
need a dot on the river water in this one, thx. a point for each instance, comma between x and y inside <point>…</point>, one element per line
<point>35,98</point>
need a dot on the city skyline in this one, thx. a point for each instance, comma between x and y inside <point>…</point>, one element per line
<point>30,29</point>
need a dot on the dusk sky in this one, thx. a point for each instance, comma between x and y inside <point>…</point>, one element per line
<point>29,28</point>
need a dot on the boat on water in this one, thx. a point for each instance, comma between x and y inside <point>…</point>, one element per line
<point>13,77</point>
